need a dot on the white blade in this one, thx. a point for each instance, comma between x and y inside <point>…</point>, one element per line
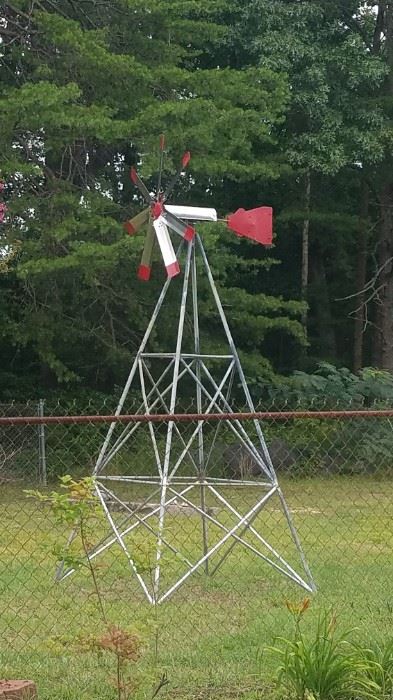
<point>166,247</point>
<point>192,213</point>
<point>185,230</point>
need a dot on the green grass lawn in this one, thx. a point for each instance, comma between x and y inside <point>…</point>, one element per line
<point>212,632</point>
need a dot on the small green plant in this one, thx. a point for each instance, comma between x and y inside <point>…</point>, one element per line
<point>326,666</point>
<point>77,505</point>
<point>379,667</point>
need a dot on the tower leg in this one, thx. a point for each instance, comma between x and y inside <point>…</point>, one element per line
<point>236,357</point>
<point>201,455</point>
<point>250,403</point>
<point>172,406</point>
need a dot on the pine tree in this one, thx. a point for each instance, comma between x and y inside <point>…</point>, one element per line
<point>87,89</point>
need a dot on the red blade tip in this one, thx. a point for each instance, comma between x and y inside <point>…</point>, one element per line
<point>133,175</point>
<point>186,159</point>
<point>189,233</point>
<point>129,228</point>
<point>173,269</point>
<point>144,272</point>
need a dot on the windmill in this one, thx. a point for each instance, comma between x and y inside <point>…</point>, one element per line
<point>180,465</point>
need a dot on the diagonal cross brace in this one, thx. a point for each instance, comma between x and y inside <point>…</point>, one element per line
<point>289,571</point>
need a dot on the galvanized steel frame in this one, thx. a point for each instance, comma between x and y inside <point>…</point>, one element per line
<point>167,483</point>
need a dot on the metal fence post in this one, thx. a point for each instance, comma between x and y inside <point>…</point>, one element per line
<point>41,445</point>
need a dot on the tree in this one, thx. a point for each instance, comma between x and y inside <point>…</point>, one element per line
<point>332,127</point>
<point>383,343</point>
<point>87,89</point>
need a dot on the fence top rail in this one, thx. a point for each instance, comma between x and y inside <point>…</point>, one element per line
<point>194,417</point>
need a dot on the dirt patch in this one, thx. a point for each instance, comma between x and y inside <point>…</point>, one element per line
<point>17,690</point>
<point>300,511</point>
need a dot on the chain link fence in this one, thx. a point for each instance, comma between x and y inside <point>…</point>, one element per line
<point>334,468</point>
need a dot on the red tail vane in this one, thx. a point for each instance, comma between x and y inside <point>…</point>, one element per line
<point>256,224</point>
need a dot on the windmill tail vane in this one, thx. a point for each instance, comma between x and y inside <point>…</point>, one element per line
<point>160,218</point>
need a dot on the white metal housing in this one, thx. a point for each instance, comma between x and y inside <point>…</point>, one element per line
<point>192,213</point>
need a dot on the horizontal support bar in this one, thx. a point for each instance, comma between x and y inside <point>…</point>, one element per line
<point>184,355</point>
<point>183,480</point>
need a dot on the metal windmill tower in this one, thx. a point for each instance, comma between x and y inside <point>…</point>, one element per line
<point>183,461</point>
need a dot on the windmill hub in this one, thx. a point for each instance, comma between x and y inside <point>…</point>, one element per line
<point>157,209</point>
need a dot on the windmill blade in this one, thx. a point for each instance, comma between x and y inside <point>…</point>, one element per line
<point>144,269</point>
<point>184,230</point>
<point>166,247</point>
<point>162,146</point>
<point>184,162</point>
<point>133,225</point>
<point>140,185</point>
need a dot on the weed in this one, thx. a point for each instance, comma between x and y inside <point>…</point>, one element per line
<point>324,667</point>
<point>378,659</point>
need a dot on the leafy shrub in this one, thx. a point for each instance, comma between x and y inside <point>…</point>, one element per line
<point>329,387</point>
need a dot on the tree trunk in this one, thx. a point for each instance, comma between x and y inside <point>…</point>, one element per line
<point>383,349</point>
<point>323,321</point>
<point>361,271</point>
<point>305,250</point>
<point>383,340</point>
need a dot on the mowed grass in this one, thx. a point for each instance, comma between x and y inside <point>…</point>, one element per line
<point>212,632</point>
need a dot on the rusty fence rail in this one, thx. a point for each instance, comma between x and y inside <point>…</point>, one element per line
<point>39,441</point>
<point>193,417</point>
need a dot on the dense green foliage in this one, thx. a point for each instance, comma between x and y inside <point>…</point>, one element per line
<point>280,103</point>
